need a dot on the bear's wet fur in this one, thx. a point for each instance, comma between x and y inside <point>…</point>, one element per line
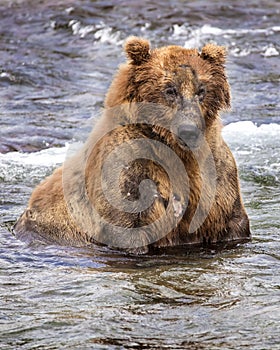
<point>161,124</point>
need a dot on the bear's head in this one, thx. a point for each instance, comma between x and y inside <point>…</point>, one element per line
<point>187,87</point>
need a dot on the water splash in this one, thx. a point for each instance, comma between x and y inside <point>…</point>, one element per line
<point>196,37</point>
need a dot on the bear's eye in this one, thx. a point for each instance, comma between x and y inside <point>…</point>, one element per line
<point>171,90</point>
<point>201,91</point>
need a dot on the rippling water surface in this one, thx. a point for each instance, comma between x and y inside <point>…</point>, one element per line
<point>57,61</point>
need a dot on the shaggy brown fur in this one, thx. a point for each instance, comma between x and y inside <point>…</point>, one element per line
<point>162,129</point>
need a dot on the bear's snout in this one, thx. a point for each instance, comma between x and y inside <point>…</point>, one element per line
<point>189,134</point>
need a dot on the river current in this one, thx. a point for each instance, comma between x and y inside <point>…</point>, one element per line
<point>57,61</point>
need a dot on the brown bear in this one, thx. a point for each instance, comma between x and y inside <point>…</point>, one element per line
<point>155,171</point>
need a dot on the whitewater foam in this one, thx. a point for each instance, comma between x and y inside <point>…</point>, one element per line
<point>79,29</point>
<point>246,131</point>
<point>196,37</point>
<point>101,32</point>
<point>46,158</point>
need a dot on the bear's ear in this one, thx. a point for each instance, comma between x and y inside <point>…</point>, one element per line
<point>137,50</point>
<point>214,54</point>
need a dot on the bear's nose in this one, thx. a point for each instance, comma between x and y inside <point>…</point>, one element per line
<point>189,134</point>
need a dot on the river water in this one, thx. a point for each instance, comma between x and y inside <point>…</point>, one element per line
<point>57,61</point>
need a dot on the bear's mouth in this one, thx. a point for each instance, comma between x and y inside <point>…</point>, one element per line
<point>190,145</point>
<point>188,139</point>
